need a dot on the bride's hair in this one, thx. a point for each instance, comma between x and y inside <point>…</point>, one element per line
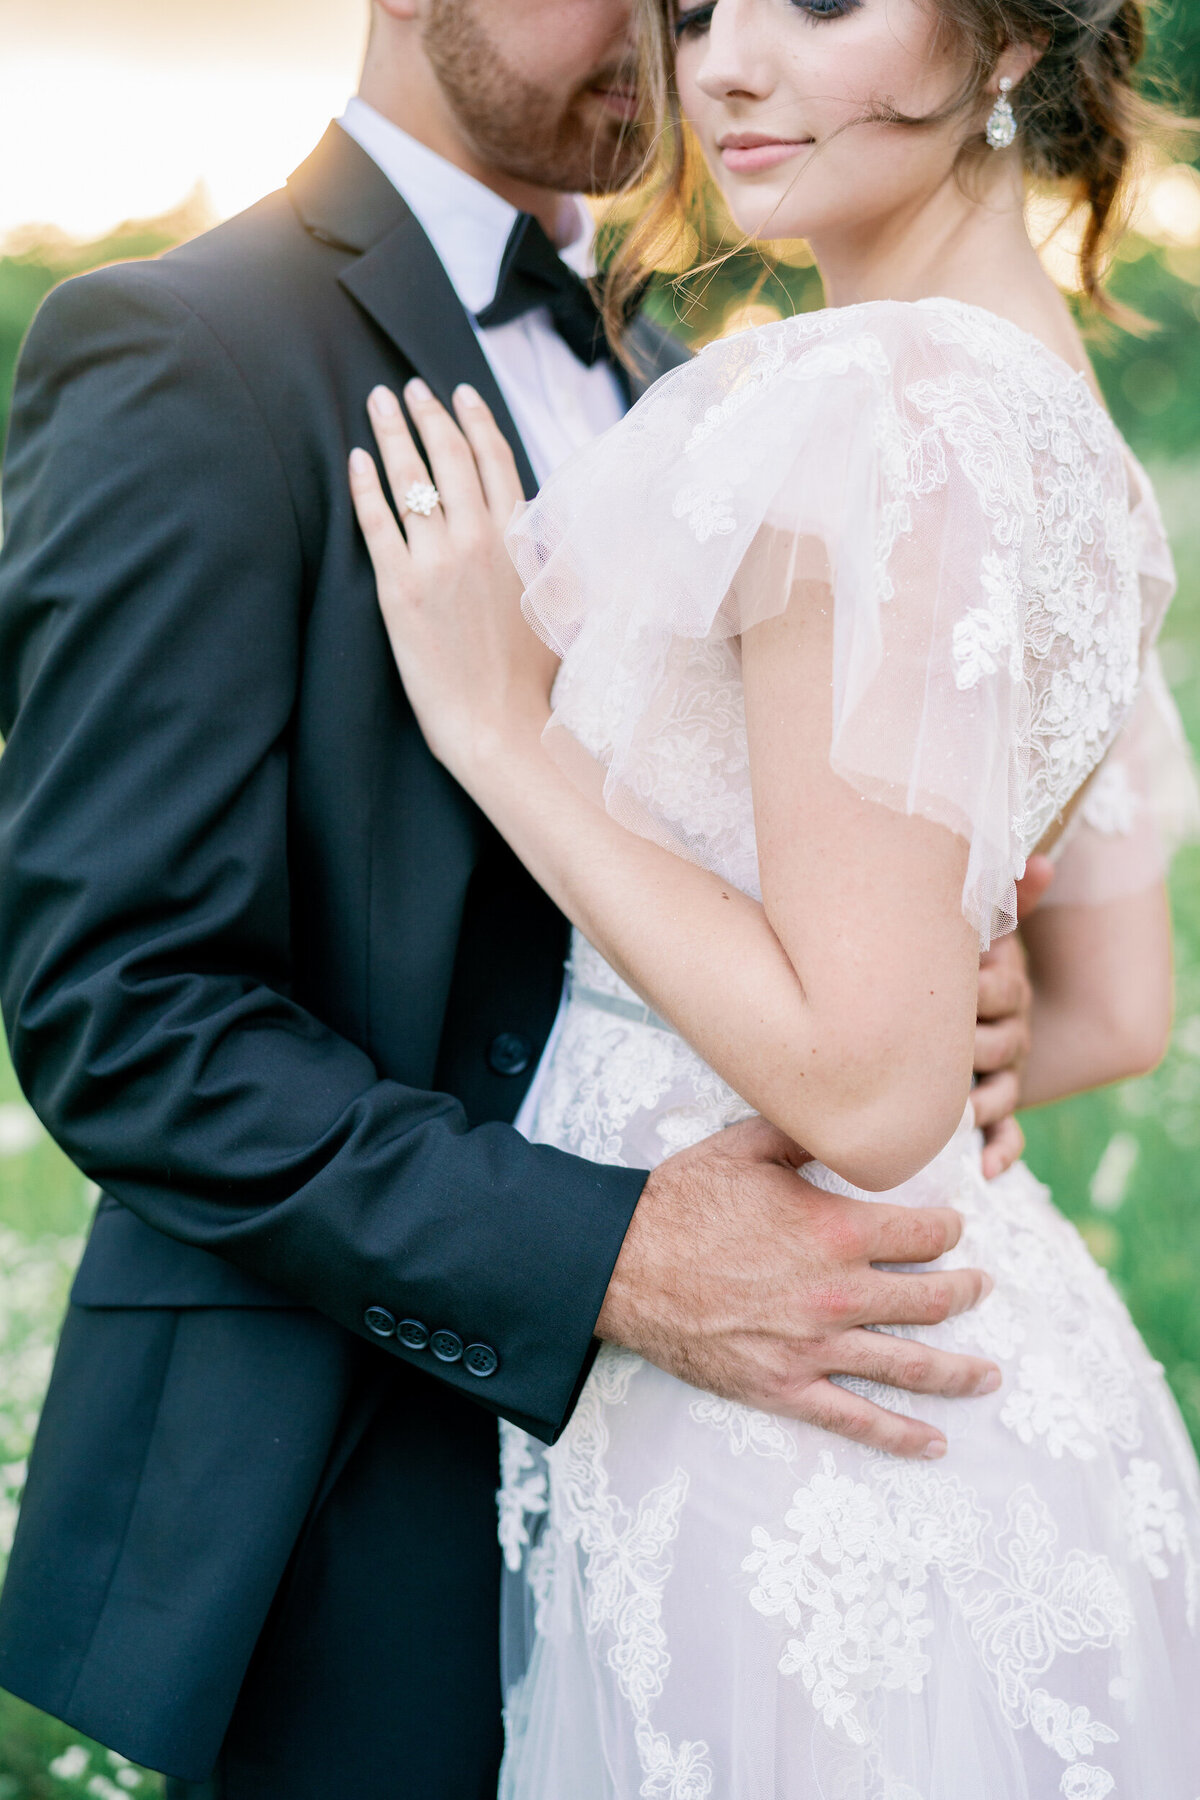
<point>1080,118</point>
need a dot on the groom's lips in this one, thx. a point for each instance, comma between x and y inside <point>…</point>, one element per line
<point>622,102</point>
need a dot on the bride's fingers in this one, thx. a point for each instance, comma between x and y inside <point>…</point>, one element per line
<point>917,1367</point>
<point>493,454</point>
<point>377,522</point>
<point>451,458</point>
<point>404,465</point>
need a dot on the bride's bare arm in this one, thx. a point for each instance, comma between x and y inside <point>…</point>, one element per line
<point>1102,984</point>
<point>843,1008</point>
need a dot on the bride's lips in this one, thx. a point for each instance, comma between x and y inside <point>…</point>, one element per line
<point>622,102</point>
<point>746,152</point>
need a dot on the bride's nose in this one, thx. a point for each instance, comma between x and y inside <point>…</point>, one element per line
<point>737,63</point>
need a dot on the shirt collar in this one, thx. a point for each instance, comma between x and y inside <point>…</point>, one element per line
<point>467,223</point>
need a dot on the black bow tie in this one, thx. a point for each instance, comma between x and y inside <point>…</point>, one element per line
<point>533,274</point>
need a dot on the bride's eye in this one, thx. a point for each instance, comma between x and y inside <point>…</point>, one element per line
<point>826,9</point>
<point>695,22</point>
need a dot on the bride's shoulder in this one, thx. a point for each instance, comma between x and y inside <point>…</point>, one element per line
<point>891,347</point>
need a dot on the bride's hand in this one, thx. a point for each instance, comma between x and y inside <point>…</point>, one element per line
<point>475,673</point>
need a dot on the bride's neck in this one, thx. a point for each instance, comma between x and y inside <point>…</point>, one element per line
<point>956,243</point>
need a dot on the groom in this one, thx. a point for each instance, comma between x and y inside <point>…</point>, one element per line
<point>274,983</point>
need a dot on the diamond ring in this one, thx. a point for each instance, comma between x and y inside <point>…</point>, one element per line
<point>422,497</point>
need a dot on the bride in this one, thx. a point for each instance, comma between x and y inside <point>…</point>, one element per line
<point>855,613</point>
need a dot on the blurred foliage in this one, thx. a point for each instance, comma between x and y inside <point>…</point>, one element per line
<point>37,259</point>
<point>41,1760</point>
<point>45,1206</point>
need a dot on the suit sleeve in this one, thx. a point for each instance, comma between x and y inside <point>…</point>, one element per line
<point>151,609</point>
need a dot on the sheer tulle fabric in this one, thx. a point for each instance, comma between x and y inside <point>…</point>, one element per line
<point>705,1602</point>
<point>994,556</point>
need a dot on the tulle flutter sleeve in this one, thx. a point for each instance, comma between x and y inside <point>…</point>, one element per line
<point>952,491</point>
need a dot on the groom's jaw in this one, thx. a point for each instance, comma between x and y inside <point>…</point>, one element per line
<point>536,97</point>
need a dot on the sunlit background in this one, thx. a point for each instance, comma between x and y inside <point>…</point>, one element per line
<point>120,109</point>
<point>126,125</point>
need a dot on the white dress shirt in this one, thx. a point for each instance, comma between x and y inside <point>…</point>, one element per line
<point>557,403</point>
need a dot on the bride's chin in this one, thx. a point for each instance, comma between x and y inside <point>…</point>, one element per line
<point>760,215</point>
<point>764,224</point>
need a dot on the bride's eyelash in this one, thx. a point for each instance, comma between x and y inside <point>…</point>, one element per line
<point>693,23</point>
<point>697,21</point>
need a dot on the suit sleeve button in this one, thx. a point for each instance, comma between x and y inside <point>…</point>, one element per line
<point>480,1360</point>
<point>379,1320</point>
<point>509,1054</point>
<point>412,1334</point>
<point>447,1346</point>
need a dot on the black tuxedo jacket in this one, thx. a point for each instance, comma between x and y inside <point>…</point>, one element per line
<point>269,978</point>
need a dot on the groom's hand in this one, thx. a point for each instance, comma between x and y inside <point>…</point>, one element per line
<point>742,1279</point>
<point>1003,1030</point>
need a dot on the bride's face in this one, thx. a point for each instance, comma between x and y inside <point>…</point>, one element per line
<point>784,96</point>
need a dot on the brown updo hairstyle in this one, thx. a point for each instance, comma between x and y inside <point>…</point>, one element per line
<point>1079,119</point>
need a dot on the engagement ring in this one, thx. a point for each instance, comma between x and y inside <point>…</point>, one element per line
<point>422,497</point>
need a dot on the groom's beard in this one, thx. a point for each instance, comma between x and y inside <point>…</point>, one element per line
<point>562,140</point>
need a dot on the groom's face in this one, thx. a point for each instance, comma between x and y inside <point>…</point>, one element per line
<point>541,89</point>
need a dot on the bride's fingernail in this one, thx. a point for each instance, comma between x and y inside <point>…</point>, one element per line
<point>382,400</point>
<point>990,1382</point>
<point>360,463</point>
<point>416,389</point>
<point>935,1451</point>
<point>465,394</point>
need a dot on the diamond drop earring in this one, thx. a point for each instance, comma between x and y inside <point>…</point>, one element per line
<point>1002,123</point>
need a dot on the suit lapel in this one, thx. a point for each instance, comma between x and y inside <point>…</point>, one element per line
<point>344,198</point>
<point>655,351</point>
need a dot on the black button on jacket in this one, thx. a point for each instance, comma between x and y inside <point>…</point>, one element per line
<point>510,1054</point>
<point>254,945</point>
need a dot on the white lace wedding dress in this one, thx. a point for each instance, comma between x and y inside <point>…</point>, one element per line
<point>705,1602</point>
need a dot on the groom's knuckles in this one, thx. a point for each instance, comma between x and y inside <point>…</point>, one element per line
<point>904,1364</point>
<point>936,1299</point>
<point>833,1302</point>
<point>923,1299</point>
<point>903,1234</point>
<point>919,1368</point>
<point>951,1292</point>
<point>849,1416</point>
<point>844,1234</point>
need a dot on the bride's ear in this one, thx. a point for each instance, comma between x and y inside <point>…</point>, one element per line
<point>1013,64</point>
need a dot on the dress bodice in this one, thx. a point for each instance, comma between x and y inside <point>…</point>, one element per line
<point>994,552</point>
